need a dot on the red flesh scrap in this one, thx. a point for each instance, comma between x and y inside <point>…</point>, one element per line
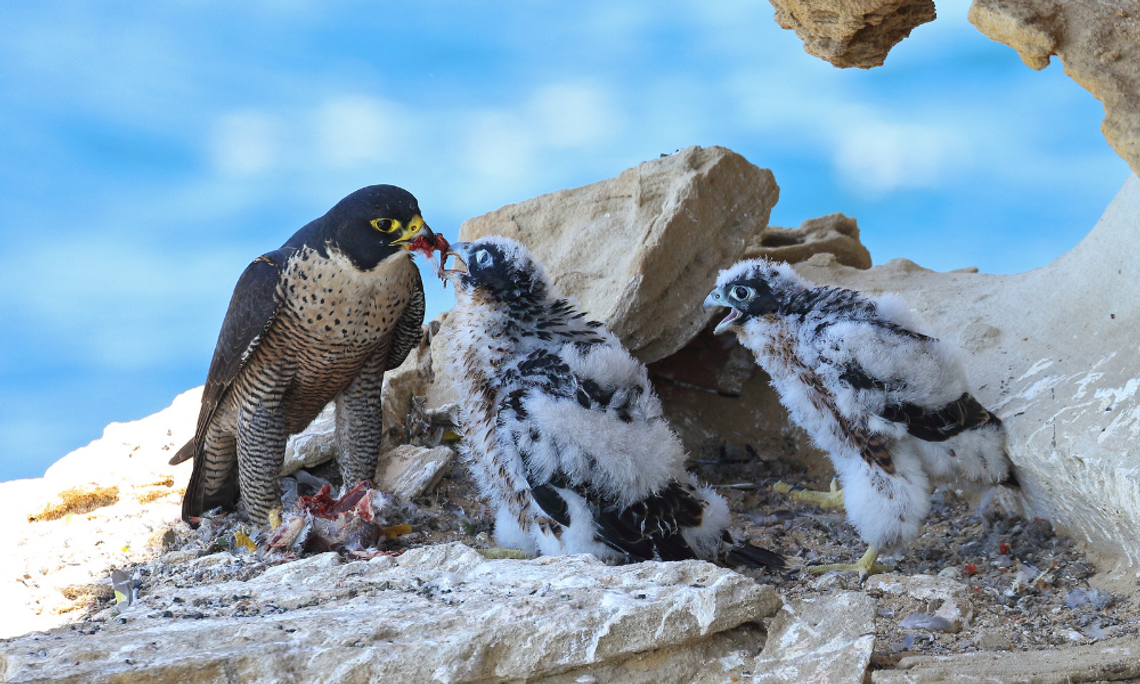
<point>428,247</point>
<point>322,505</point>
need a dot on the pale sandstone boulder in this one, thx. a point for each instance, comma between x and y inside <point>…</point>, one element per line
<point>826,640</point>
<point>409,471</point>
<point>440,613</point>
<point>1055,352</point>
<point>640,251</point>
<point>852,34</point>
<point>1098,44</point>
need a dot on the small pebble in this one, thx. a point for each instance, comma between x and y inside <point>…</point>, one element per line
<point>1087,597</point>
<point>829,582</point>
<point>994,641</point>
<point>950,573</point>
<point>921,620</point>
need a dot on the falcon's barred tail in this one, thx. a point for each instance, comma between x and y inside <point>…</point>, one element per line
<point>752,556</point>
<point>185,453</point>
<point>196,502</point>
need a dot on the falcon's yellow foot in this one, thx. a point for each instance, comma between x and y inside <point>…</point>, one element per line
<point>275,518</point>
<point>831,499</point>
<point>500,554</point>
<point>865,566</point>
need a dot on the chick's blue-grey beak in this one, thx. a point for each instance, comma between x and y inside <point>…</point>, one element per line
<point>717,298</point>
<point>462,253</point>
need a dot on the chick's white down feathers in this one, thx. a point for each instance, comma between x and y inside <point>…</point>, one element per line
<point>561,428</point>
<point>890,405</point>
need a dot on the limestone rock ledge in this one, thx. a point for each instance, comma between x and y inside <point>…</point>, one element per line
<point>1113,660</point>
<point>439,613</point>
<point>1099,46</point>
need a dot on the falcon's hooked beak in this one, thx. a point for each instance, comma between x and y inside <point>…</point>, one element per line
<point>717,298</point>
<point>410,234</point>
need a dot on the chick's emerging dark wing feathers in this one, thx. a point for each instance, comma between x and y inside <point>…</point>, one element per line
<point>653,524</point>
<point>252,309</point>
<point>939,425</point>
<point>647,529</point>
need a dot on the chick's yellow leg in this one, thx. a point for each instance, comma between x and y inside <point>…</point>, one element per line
<point>831,499</point>
<point>865,566</point>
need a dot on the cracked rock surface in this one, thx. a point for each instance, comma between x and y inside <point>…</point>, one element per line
<point>439,613</point>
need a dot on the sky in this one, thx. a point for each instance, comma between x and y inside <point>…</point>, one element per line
<point>149,151</point>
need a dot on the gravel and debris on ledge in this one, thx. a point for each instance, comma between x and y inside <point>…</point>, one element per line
<point>985,581</point>
<point>973,581</point>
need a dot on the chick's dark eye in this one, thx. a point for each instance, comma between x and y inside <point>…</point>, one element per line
<point>741,293</point>
<point>483,258</point>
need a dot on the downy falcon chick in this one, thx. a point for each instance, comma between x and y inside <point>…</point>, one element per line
<point>562,431</point>
<point>889,405</point>
<point>319,319</point>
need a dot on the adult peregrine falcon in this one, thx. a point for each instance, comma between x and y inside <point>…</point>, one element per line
<point>889,405</point>
<point>561,428</point>
<point>319,319</point>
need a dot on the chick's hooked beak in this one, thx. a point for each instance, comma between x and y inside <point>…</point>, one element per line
<point>462,253</point>
<point>717,298</point>
<point>415,233</point>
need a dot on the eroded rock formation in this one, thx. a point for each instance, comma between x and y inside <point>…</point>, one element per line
<point>852,34</point>
<point>1098,44</point>
<point>832,234</point>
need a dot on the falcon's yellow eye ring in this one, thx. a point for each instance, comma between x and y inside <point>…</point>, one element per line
<point>386,225</point>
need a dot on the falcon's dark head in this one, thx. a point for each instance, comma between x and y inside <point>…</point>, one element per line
<point>497,267</point>
<point>374,223</point>
<point>752,289</point>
